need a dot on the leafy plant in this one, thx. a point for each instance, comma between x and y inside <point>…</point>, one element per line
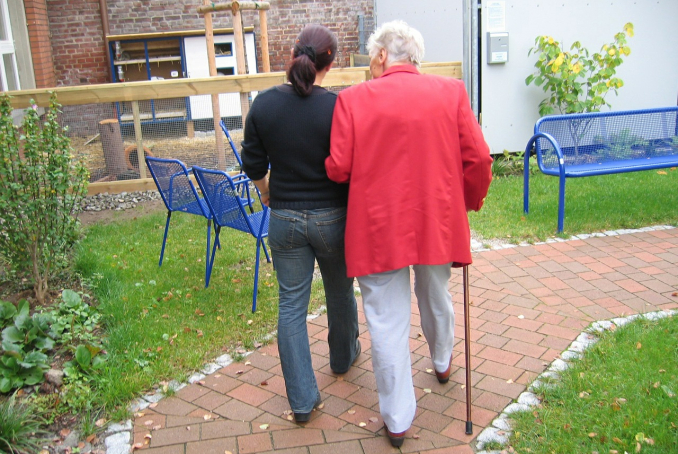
<point>509,163</point>
<point>74,319</point>
<point>576,80</point>
<point>18,427</point>
<point>624,145</point>
<point>42,186</point>
<point>24,342</point>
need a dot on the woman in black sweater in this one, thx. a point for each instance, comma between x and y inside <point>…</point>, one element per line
<point>288,128</point>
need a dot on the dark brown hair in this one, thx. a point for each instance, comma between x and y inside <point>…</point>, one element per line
<point>314,50</point>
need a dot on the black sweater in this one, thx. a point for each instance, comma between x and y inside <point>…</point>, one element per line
<point>292,134</point>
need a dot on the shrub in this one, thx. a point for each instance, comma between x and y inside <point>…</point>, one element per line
<point>577,81</point>
<point>42,187</point>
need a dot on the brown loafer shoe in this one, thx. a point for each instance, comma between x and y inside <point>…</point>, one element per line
<point>444,377</point>
<point>396,439</point>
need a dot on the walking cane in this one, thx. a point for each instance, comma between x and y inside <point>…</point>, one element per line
<point>467,351</point>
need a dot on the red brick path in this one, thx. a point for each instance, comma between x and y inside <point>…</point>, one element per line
<point>528,304</point>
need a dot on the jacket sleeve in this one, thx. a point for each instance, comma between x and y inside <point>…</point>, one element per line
<point>340,161</point>
<point>475,155</point>
<point>254,155</point>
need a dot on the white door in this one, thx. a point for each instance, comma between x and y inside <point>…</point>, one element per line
<point>197,66</point>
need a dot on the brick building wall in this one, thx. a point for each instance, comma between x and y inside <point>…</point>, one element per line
<point>78,43</point>
<point>39,36</point>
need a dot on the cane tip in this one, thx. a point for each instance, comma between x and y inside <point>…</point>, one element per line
<point>469,427</point>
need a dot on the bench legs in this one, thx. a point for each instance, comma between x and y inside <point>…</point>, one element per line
<point>561,203</point>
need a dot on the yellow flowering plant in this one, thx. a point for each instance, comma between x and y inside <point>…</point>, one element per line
<point>576,80</point>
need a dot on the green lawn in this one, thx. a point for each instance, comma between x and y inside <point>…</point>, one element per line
<point>592,204</point>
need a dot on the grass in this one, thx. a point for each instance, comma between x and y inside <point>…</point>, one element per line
<point>620,397</point>
<point>162,323</point>
<point>592,204</point>
<point>20,429</point>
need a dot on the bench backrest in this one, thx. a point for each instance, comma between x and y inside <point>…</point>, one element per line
<point>602,137</point>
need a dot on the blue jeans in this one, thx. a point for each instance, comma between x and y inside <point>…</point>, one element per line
<point>297,239</point>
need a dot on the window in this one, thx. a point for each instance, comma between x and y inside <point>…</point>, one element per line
<point>9,76</point>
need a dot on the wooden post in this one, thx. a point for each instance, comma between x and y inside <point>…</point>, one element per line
<point>240,56</point>
<point>111,142</point>
<point>216,109</point>
<point>140,140</point>
<point>265,59</point>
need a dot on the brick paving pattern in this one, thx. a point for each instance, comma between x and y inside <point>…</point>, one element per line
<point>528,304</point>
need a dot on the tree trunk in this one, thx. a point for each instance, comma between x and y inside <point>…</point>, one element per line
<point>111,142</point>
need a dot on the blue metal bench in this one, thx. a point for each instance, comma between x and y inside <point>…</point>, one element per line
<point>601,143</point>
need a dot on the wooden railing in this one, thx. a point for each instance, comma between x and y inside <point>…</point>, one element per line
<point>177,88</point>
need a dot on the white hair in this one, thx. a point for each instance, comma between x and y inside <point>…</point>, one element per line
<point>402,43</point>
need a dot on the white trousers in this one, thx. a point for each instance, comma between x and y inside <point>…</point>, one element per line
<point>387,305</point>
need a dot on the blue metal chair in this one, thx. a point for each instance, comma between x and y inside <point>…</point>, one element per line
<point>179,194</point>
<point>227,208</point>
<point>245,189</point>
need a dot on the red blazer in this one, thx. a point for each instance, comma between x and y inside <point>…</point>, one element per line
<point>416,160</point>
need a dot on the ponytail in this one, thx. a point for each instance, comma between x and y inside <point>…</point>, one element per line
<point>314,50</point>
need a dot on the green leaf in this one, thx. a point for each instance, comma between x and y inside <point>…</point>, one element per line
<point>83,357</point>
<point>12,334</point>
<point>7,310</point>
<point>5,385</point>
<point>21,318</point>
<point>71,298</point>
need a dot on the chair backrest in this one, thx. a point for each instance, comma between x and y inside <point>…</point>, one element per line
<point>226,207</point>
<point>176,189</point>
<point>230,140</point>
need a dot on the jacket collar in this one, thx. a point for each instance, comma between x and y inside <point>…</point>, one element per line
<point>401,69</point>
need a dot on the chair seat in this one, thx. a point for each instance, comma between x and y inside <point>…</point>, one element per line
<point>197,207</point>
<point>255,220</point>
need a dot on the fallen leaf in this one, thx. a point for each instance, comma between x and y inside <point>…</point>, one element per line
<point>429,371</point>
<point>264,383</point>
<point>249,322</point>
<point>662,371</point>
<point>100,422</point>
<point>64,432</point>
<point>165,315</point>
<point>660,172</point>
<point>617,440</point>
<point>238,372</point>
<point>148,423</point>
<point>584,394</point>
<point>148,436</point>
<point>235,281</point>
<point>137,446</point>
<point>207,417</point>
<point>415,436</point>
<point>263,426</point>
<point>199,333</point>
<point>521,317</point>
<point>374,419</point>
<point>351,412</point>
<point>427,390</point>
<point>638,444</point>
<point>290,418</point>
<point>509,381</point>
<point>158,427</point>
<point>362,424</point>
<point>321,406</point>
<point>592,434</point>
<point>90,438</point>
<point>228,452</point>
<point>188,427</point>
<point>247,363</point>
<point>639,346</point>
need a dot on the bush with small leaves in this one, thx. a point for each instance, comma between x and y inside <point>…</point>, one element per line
<point>42,187</point>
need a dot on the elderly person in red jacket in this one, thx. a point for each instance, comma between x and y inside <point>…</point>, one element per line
<point>416,160</point>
